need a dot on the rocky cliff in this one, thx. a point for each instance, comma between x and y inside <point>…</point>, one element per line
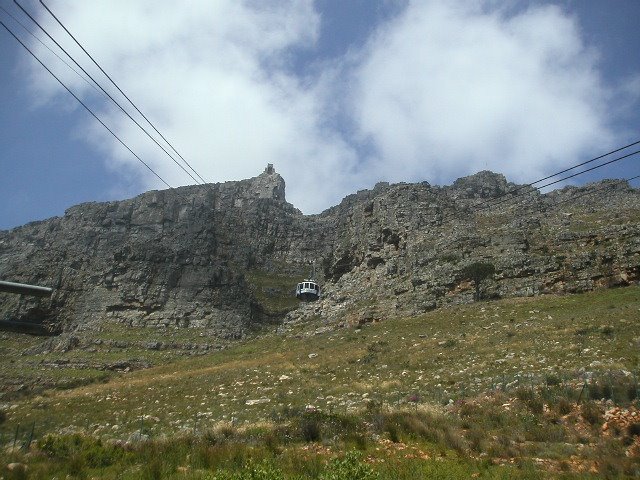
<point>227,256</point>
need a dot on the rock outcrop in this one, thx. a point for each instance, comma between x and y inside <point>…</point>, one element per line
<point>402,249</point>
<point>227,256</point>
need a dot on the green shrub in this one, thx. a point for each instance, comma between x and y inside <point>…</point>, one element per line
<point>502,447</point>
<point>536,405</point>
<point>91,451</point>
<point>449,258</point>
<point>599,390</point>
<point>611,459</point>
<point>228,455</point>
<point>375,415</point>
<point>455,441</point>
<point>310,465</point>
<point>272,441</point>
<point>525,394</point>
<point>349,467</point>
<point>220,434</point>
<point>425,426</point>
<point>359,441</point>
<point>58,446</point>
<point>486,416</point>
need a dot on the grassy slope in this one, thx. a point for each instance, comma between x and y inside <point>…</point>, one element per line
<point>440,355</point>
<point>446,354</point>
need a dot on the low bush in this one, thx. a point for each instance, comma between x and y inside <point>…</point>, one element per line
<point>546,432</point>
<point>311,428</point>
<point>349,467</point>
<point>563,406</point>
<point>607,331</point>
<point>552,380</point>
<point>614,386</point>
<point>88,450</point>
<point>18,472</point>
<point>487,416</point>
<point>305,465</point>
<point>316,426</point>
<point>591,412</point>
<point>612,461</point>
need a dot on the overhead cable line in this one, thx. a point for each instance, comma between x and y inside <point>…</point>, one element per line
<point>107,93</point>
<point>520,187</point>
<point>498,200</point>
<point>592,168</point>
<point>561,179</point>
<point>535,212</point>
<point>592,192</point>
<point>26,29</point>
<point>120,90</point>
<point>84,104</point>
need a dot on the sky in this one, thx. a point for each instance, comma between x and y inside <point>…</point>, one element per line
<point>336,94</point>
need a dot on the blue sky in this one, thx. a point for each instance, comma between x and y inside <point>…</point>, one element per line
<point>336,94</point>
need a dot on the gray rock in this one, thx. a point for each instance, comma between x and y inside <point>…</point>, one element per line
<point>215,256</point>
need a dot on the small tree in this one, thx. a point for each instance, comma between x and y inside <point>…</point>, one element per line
<point>478,272</point>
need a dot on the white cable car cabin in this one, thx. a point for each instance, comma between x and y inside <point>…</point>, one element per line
<point>308,291</point>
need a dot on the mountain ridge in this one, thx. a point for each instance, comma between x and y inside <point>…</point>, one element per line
<point>227,256</point>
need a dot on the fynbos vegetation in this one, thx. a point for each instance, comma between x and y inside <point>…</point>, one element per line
<point>449,394</point>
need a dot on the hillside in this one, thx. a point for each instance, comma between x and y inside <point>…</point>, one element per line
<point>504,380</point>
<point>173,328</point>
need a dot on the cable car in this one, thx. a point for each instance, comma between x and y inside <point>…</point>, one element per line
<point>308,291</point>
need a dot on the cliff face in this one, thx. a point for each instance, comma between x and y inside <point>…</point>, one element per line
<point>165,258</point>
<point>227,256</point>
<point>402,249</point>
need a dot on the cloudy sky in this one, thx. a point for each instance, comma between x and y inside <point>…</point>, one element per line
<point>337,94</point>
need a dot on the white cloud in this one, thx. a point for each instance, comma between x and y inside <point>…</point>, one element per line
<point>442,90</point>
<point>215,78</point>
<point>448,88</point>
